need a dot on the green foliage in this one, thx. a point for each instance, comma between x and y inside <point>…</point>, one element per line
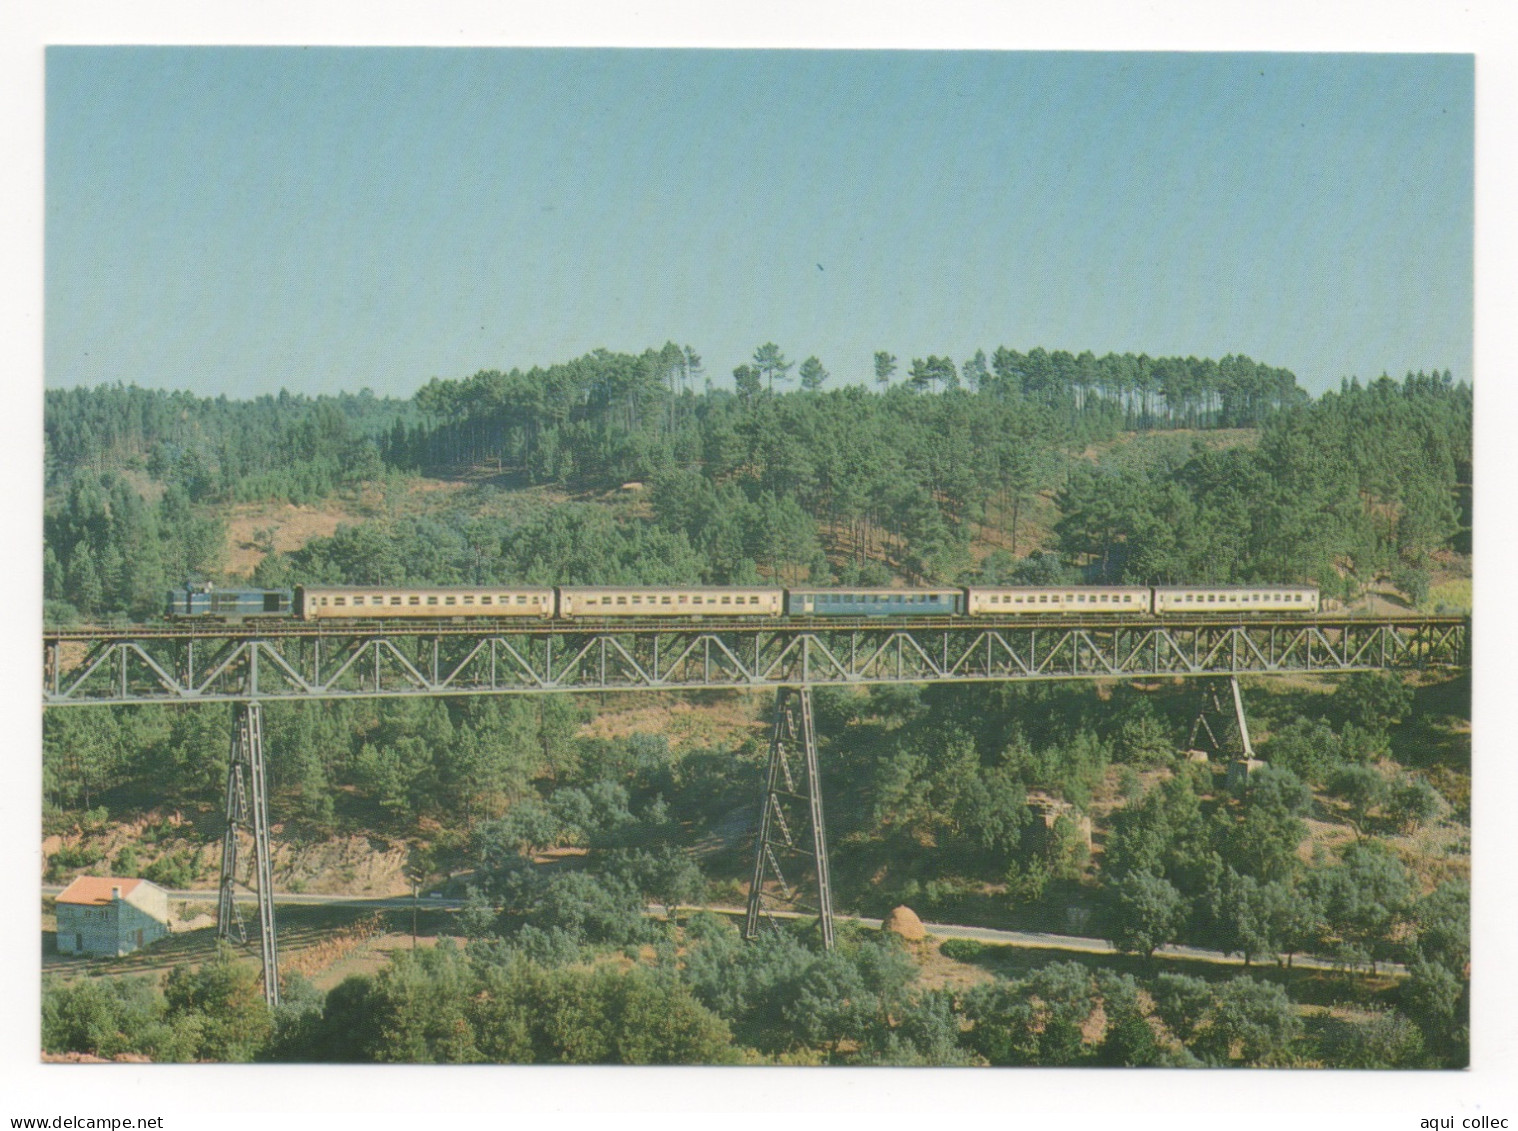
<point>68,860</point>
<point>1037,1020</point>
<point>1363,898</point>
<point>1411,802</point>
<point>1250,1022</point>
<point>219,1007</point>
<point>173,870</point>
<point>1162,834</point>
<point>1443,922</point>
<point>1147,912</point>
<point>1309,749</point>
<point>1361,789</point>
<point>962,950</point>
<point>1373,700</point>
<point>107,1017</point>
<point>779,994</point>
<point>1144,741</point>
<point>442,1005</point>
<point>1129,1040</point>
<point>1438,999</point>
<point>125,863</point>
<point>1182,1002</point>
<point>1413,582</point>
<point>1387,1039</point>
<point>1027,880</point>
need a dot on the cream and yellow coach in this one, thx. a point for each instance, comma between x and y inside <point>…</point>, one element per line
<point>379,602</point>
<point>1236,599</point>
<point>1119,600</point>
<point>595,602</point>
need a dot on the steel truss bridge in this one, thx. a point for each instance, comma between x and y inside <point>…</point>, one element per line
<point>249,665</point>
<point>202,664</point>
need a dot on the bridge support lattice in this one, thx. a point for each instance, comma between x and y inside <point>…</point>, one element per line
<point>1222,720</point>
<point>248,815</point>
<point>791,827</point>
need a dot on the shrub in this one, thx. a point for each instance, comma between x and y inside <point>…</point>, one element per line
<point>69,858</point>
<point>125,863</point>
<point>173,870</point>
<point>962,950</point>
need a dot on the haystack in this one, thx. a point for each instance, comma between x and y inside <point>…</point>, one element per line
<point>904,922</point>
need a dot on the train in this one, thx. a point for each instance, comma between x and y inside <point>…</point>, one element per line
<point>606,602</point>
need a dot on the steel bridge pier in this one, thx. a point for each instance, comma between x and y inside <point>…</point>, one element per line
<point>791,825</point>
<point>248,815</point>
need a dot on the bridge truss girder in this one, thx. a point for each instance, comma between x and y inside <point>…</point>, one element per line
<point>235,665</point>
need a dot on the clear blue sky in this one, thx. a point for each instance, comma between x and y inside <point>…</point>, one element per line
<point>241,220</point>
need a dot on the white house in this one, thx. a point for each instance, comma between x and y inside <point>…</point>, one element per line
<point>108,916</point>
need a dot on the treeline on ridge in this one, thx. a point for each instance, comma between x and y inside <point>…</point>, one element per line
<point>844,485</point>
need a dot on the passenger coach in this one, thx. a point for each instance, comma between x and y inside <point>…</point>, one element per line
<point>1109,599</point>
<point>874,602</point>
<point>377,602</point>
<point>1236,598</point>
<point>595,602</point>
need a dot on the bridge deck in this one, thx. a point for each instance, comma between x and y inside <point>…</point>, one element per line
<point>293,660</point>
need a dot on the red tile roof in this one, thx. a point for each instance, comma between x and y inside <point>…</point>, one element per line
<point>95,890</point>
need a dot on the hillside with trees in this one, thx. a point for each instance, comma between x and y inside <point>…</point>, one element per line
<point>930,479</point>
<point>1057,807</point>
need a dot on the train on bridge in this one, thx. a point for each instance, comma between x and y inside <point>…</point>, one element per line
<point>369,603</point>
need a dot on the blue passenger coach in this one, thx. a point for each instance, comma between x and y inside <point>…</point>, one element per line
<point>874,602</point>
<point>206,600</point>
